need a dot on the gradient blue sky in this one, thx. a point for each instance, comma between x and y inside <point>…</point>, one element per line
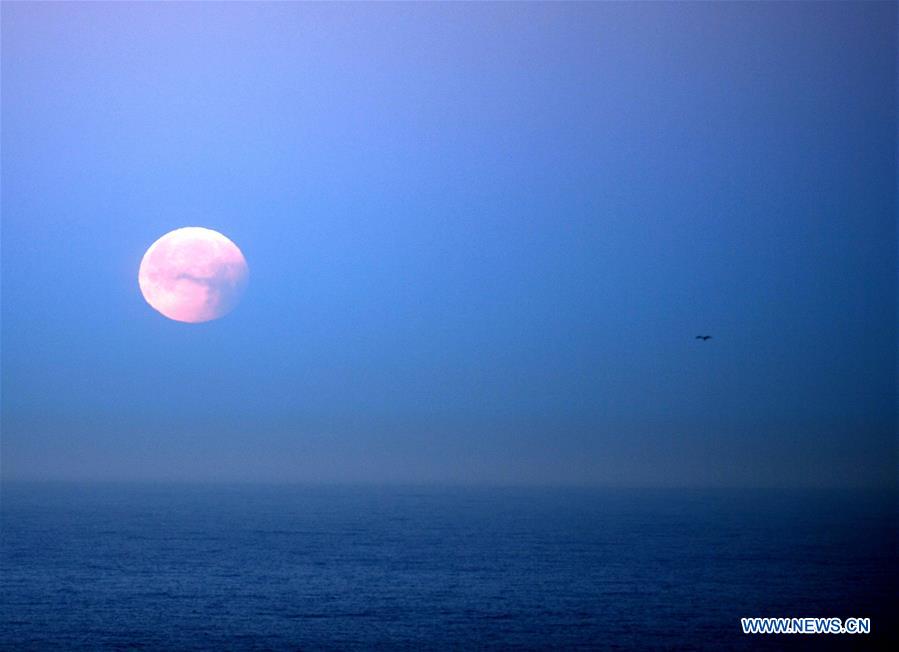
<point>482,238</point>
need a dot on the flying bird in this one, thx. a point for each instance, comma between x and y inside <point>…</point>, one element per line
<point>703,337</point>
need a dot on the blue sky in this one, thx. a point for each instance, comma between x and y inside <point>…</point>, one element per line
<point>482,238</point>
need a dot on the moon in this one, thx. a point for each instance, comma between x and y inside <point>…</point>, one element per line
<point>193,274</point>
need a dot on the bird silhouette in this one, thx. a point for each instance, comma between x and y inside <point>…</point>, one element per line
<point>703,337</point>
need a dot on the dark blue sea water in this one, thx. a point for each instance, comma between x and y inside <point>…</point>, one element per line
<point>282,568</point>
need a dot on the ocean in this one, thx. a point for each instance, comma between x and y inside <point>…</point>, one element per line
<point>257,567</point>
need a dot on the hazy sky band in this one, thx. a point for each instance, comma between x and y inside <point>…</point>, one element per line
<point>483,237</point>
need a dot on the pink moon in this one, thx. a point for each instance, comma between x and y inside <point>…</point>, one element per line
<point>193,275</point>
